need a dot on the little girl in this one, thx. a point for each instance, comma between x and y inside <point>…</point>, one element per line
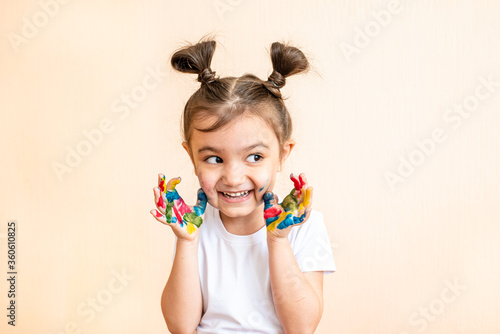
<point>243,263</point>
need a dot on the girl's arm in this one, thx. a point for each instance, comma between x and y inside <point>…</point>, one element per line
<point>298,296</point>
<point>181,301</point>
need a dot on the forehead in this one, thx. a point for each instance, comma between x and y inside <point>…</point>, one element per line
<point>238,134</point>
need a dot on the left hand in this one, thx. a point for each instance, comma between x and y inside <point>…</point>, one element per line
<point>293,211</point>
<point>173,211</point>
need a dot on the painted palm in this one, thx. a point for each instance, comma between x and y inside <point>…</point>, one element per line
<point>293,210</point>
<point>171,208</point>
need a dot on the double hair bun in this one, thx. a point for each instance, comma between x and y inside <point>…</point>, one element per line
<point>286,60</point>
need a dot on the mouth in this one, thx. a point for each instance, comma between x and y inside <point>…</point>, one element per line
<point>235,196</point>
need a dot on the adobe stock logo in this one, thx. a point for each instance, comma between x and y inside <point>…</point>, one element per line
<point>224,6</point>
<point>454,117</point>
<point>39,20</point>
<point>363,37</point>
<point>425,315</point>
<point>121,108</point>
<point>88,310</point>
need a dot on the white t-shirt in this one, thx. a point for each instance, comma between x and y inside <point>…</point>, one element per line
<point>234,273</point>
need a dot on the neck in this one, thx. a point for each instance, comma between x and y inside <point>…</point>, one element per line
<point>244,225</point>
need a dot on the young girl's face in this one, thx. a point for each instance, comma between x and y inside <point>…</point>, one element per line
<point>236,164</point>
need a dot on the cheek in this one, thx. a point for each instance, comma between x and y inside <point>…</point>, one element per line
<point>266,186</point>
<point>207,184</point>
<point>264,181</point>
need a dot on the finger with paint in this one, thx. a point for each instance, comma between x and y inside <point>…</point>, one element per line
<point>171,208</point>
<point>303,195</point>
<point>293,210</point>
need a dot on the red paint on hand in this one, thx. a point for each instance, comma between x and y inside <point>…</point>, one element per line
<point>183,207</point>
<point>296,182</point>
<point>161,203</point>
<point>302,181</point>
<point>272,212</point>
<point>162,185</point>
<point>178,214</point>
<point>158,214</point>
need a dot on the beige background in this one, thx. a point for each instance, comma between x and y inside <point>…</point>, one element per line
<point>398,248</point>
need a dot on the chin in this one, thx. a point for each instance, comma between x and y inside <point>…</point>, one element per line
<point>236,213</point>
<point>240,212</point>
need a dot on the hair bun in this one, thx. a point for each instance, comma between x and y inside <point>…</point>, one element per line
<point>196,59</point>
<point>276,79</point>
<point>206,76</point>
<point>287,60</point>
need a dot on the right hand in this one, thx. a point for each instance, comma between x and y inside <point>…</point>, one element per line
<point>174,212</point>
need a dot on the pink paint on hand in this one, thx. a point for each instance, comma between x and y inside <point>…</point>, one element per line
<point>183,207</point>
<point>161,203</point>
<point>178,215</point>
<point>175,207</point>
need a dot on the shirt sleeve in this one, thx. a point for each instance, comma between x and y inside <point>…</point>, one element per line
<point>311,245</point>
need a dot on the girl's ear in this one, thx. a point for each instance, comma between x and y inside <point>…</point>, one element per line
<point>287,149</point>
<point>186,147</point>
<point>188,150</point>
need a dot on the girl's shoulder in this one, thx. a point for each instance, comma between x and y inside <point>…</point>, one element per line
<point>311,245</point>
<point>314,222</point>
<point>313,228</point>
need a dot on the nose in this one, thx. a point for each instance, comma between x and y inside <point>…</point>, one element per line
<point>234,174</point>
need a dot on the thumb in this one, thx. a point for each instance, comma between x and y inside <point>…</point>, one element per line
<point>201,204</point>
<point>270,199</point>
<point>172,183</point>
<point>172,193</point>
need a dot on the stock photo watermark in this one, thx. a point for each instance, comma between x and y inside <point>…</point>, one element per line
<point>453,118</point>
<point>223,6</point>
<point>429,313</point>
<point>121,107</point>
<point>96,303</point>
<point>12,272</point>
<point>322,252</point>
<point>31,26</point>
<point>372,29</point>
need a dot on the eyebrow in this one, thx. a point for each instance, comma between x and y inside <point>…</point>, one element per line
<point>248,148</point>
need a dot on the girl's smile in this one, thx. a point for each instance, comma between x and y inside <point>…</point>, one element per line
<point>235,197</point>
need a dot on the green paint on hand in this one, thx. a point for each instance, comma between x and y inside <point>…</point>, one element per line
<point>192,217</point>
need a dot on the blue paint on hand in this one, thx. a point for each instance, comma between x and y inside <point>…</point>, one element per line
<point>201,205</point>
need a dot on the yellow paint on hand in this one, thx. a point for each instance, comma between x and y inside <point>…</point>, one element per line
<point>174,183</point>
<point>191,228</point>
<point>305,203</point>
<point>307,198</point>
<point>275,223</point>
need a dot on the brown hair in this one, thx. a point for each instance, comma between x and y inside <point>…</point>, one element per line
<point>227,98</point>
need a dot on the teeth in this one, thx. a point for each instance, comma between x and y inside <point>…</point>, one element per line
<point>236,195</point>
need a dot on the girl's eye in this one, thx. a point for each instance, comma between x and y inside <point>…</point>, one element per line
<point>254,158</point>
<point>213,160</point>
